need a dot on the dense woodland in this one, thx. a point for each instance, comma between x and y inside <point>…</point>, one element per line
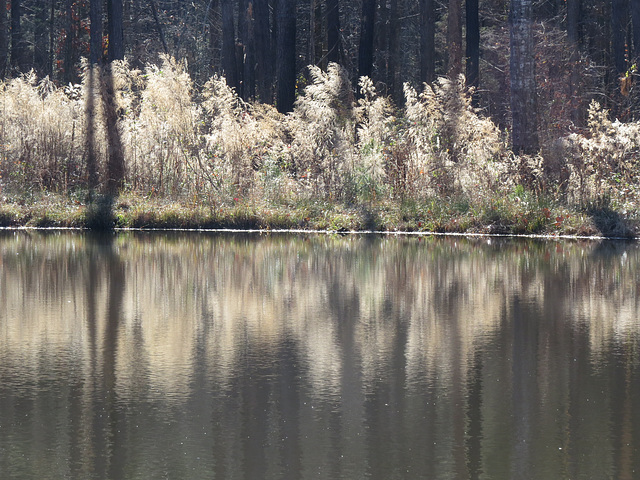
<point>552,81</point>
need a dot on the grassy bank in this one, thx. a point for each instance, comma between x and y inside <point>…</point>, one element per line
<point>506,215</point>
<point>189,156</point>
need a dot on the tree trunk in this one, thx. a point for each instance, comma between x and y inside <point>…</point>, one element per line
<point>286,54</point>
<point>156,20</point>
<point>18,46</point>
<point>365,53</point>
<point>115,171</point>
<point>573,36</point>
<point>41,38</point>
<point>249,89</point>
<point>393,51</point>
<point>454,38</point>
<point>333,31</point>
<point>69,45</point>
<point>116,34</point>
<point>229,66</point>
<point>473,44</point>
<point>635,18</point>
<point>427,41</point>
<point>619,20</point>
<point>523,83</point>
<point>263,52</point>
<point>3,38</point>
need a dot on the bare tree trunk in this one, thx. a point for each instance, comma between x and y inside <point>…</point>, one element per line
<point>365,51</point>
<point>18,46</point>
<point>286,55</point>
<point>393,52</point>
<point>523,83</point>
<point>69,44</point>
<point>473,44</point>
<point>229,66</point>
<point>249,87</point>
<point>156,20</point>
<point>635,18</point>
<point>116,34</point>
<point>264,55</point>
<point>333,31</point>
<point>573,14</point>
<point>3,37</point>
<point>619,20</point>
<point>115,164</point>
<point>427,41</point>
<point>40,40</point>
<point>454,38</point>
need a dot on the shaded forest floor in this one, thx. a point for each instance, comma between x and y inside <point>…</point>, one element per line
<point>501,215</point>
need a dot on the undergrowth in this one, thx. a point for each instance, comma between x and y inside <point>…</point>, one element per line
<point>336,162</point>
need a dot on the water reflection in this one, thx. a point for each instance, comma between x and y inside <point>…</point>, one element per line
<point>146,355</point>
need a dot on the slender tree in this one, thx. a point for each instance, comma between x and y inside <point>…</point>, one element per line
<point>573,37</point>
<point>333,31</point>
<point>229,66</point>
<point>3,37</point>
<point>249,90</point>
<point>427,41</point>
<point>365,51</point>
<point>263,53</point>
<point>635,18</point>
<point>286,55</point>
<point>619,21</point>
<point>524,132</point>
<point>454,38</point>
<point>95,36</point>
<point>18,44</point>
<point>393,50</point>
<point>473,43</point>
<point>40,38</point>
<point>116,33</point>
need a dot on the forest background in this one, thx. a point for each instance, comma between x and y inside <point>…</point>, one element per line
<point>490,116</point>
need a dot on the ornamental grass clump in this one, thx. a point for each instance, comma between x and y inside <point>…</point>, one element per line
<point>41,127</point>
<point>454,150</point>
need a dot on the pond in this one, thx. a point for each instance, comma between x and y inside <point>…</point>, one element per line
<point>249,356</point>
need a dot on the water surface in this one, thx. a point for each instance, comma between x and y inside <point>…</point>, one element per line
<point>148,355</point>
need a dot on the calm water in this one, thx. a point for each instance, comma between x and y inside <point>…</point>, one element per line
<point>192,356</point>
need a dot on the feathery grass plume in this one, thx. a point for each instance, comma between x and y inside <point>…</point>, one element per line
<point>455,150</point>
<point>375,168</point>
<point>322,127</point>
<point>240,138</point>
<point>40,128</point>
<point>607,160</point>
<point>162,137</point>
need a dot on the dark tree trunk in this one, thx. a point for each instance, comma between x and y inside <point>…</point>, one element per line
<point>427,41</point>
<point>69,45</point>
<point>573,36</point>
<point>18,45</point>
<point>619,20</point>
<point>264,54</point>
<point>249,88</point>
<point>156,20</point>
<point>473,44</point>
<point>333,31</point>
<point>286,55</point>
<point>393,51</point>
<point>116,34</point>
<point>365,52</point>
<point>454,38</point>
<point>635,18</point>
<point>229,66</point>
<point>3,38</point>
<point>523,87</point>
<point>41,39</point>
